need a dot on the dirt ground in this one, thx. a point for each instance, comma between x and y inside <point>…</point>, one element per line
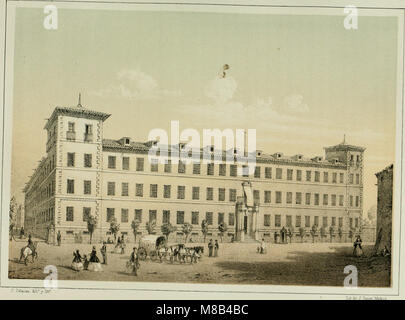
<point>319,264</point>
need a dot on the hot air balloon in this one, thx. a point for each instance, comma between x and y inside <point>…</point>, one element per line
<point>225,67</point>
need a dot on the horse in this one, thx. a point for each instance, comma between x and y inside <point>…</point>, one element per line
<point>181,253</point>
<point>28,251</point>
<point>194,253</point>
<point>177,252</point>
<point>163,252</point>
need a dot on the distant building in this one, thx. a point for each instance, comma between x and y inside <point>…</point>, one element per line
<point>384,209</point>
<point>20,217</point>
<point>85,174</point>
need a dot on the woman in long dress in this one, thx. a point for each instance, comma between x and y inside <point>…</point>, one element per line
<point>94,262</point>
<point>357,249</point>
<point>77,263</point>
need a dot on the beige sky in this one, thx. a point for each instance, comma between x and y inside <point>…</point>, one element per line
<point>300,81</point>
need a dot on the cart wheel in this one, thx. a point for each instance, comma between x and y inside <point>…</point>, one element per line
<point>153,255</point>
<point>142,253</point>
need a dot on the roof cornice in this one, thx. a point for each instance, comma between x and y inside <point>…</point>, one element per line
<point>78,112</point>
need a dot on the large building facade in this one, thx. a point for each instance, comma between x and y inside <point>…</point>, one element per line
<point>85,174</point>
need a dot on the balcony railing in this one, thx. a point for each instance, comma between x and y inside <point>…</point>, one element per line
<point>88,137</point>
<point>70,135</point>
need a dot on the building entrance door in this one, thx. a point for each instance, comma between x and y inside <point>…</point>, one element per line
<point>245,224</point>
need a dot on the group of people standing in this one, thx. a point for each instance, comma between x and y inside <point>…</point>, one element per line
<point>120,246</point>
<point>213,248</point>
<point>283,235</point>
<point>80,263</point>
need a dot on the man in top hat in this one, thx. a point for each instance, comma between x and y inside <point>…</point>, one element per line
<point>59,238</point>
<point>103,251</point>
<point>133,259</point>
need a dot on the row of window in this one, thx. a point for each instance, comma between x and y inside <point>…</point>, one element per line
<point>222,170</point>
<point>308,222</point>
<point>309,199</point>
<point>46,168</point>
<point>87,160</point>
<point>44,215</point>
<point>71,133</point>
<point>196,218</point>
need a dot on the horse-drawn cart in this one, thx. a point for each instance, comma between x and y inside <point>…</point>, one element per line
<point>149,246</point>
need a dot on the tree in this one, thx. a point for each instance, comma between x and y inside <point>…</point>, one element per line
<point>222,227</point>
<point>151,226</point>
<point>340,233</point>
<point>187,227</point>
<point>331,232</point>
<point>114,227</point>
<point>204,229</point>
<point>135,227</point>
<point>12,216</point>
<point>314,231</point>
<point>302,234</point>
<point>167,229</point>
<point>91,225</point>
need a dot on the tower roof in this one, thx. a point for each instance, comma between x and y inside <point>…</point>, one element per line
<point>78,112</point>
<point>344,147</point>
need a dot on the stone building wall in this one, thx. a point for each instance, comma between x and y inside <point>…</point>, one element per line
<point>384,210</point>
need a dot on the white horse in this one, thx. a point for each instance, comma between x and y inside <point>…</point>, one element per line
<point>27,251</point>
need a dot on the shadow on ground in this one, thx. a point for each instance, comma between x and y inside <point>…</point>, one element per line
<point>313,268</point>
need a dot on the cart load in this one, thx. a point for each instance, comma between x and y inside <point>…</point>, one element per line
<point>149,246</point>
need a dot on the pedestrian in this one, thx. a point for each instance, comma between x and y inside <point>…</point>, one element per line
<point>94,262</point>
<point>276,235</point>
<point>210,247</point>
<point>93,255</point>
<point>22,232</point>
<point>103,251</point>
<point>289,235</point>
<point>283,235</point>
<point>216,248</point>
<point>59,238</point>
<point>134,261</point>
<point>77,264</point>
<point>117,248</point>
<point>122,244</point>
<point>357,249</point>
<point>263,247</point>
<point>85,262</point>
